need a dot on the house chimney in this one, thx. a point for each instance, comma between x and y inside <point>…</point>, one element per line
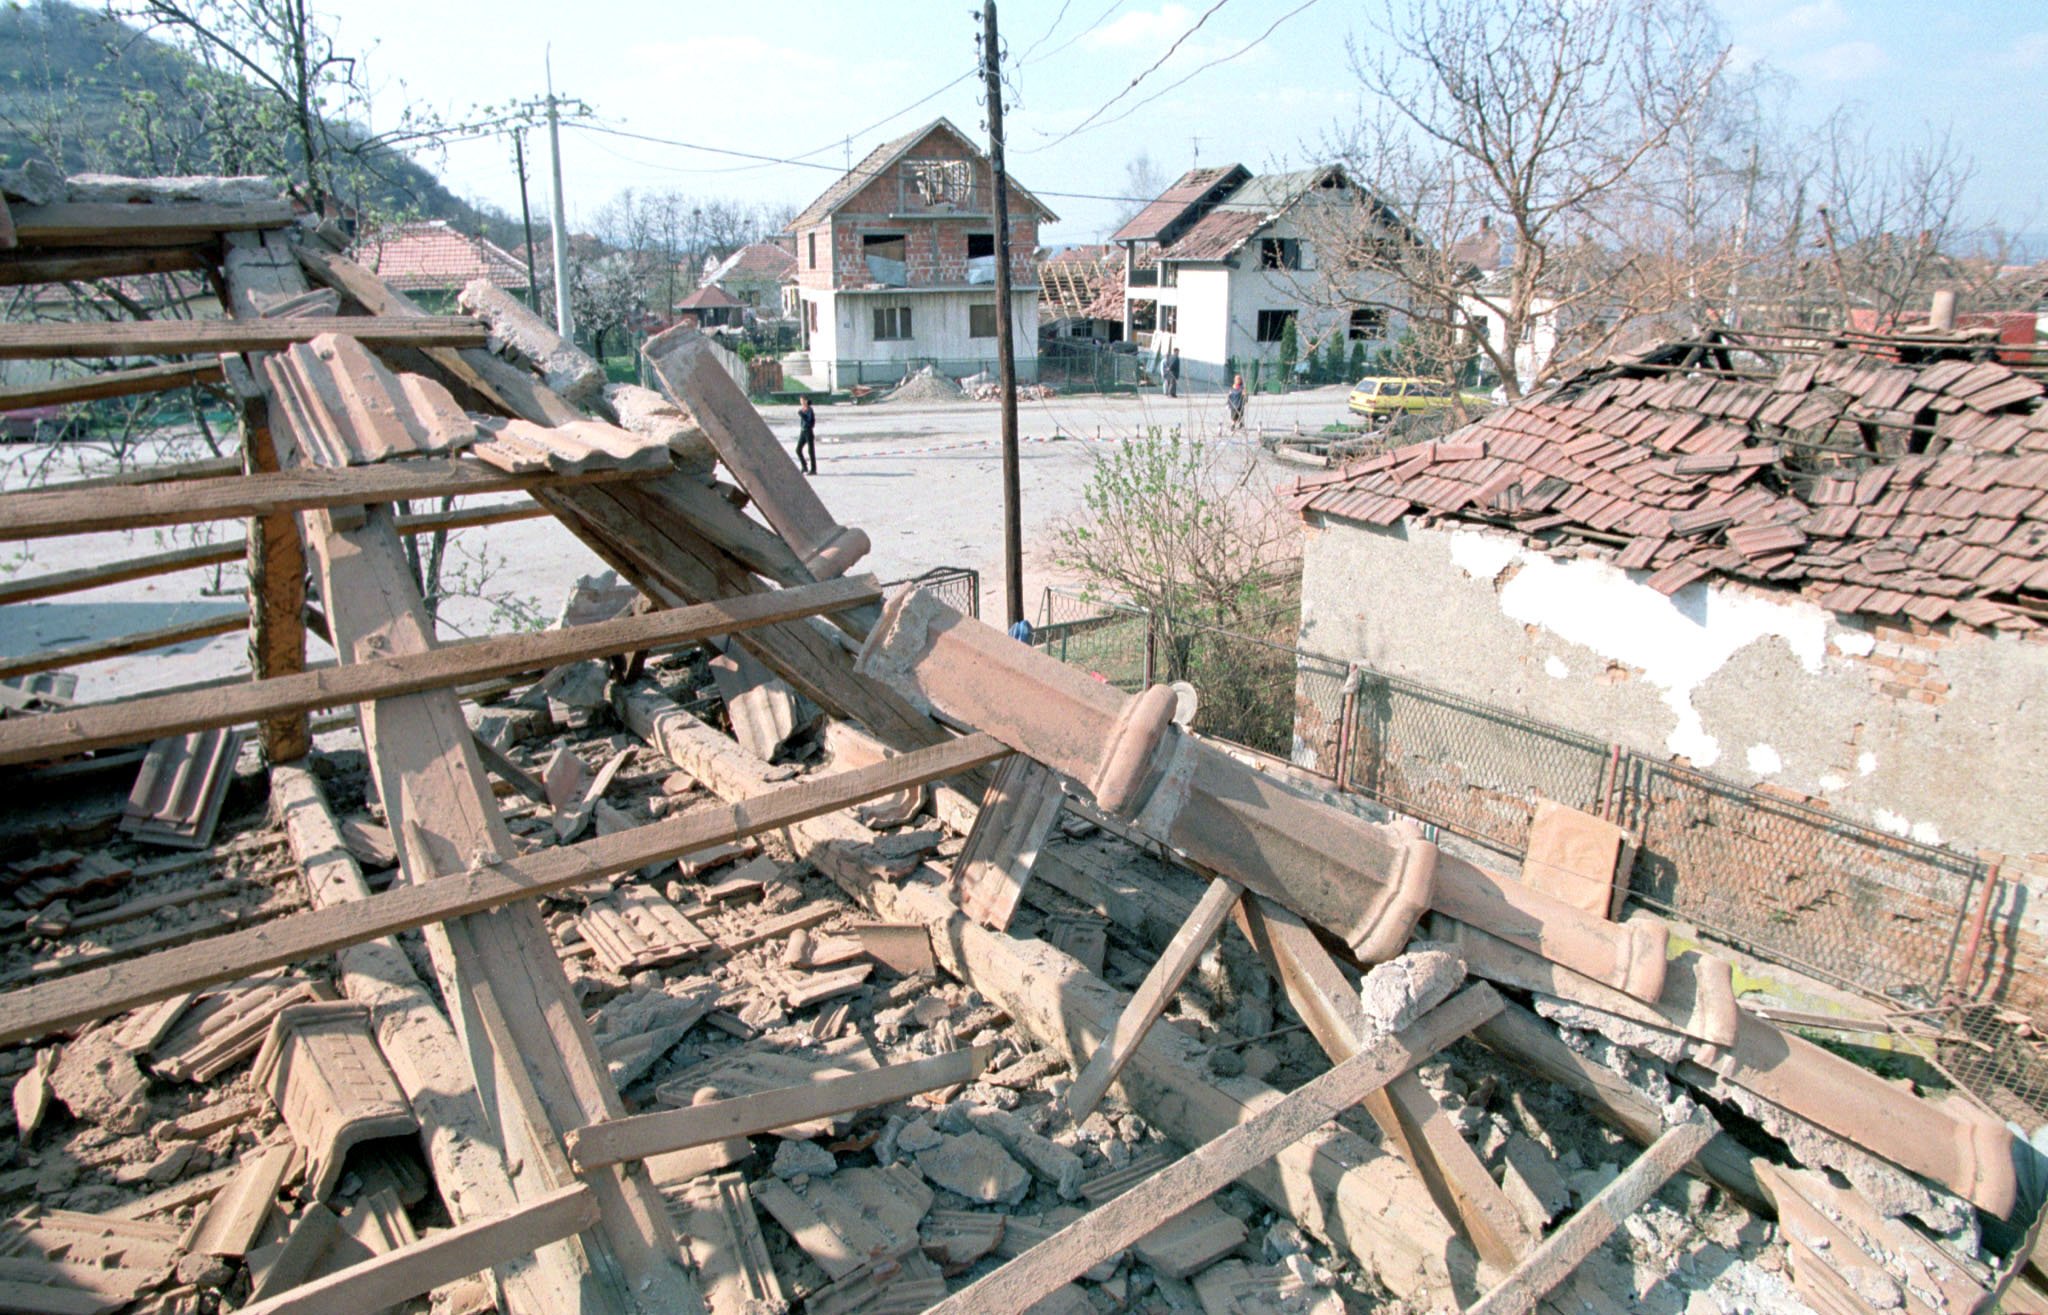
<point>1943,315</point>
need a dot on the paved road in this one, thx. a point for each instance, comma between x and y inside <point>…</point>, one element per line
<point>923,480</point>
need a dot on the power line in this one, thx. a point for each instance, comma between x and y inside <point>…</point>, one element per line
<point>1057,19</point>
<point>1084,32</point>
<point>1133,85</point>
<point>1220,59</point>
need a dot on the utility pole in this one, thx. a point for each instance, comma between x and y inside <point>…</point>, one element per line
<point>526,218</point>
<point>1013,521</point>
<point>563,324</point>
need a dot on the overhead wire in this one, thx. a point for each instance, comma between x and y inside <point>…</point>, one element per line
<point>1133,85</point>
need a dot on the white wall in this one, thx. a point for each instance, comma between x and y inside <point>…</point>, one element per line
<point>940,326</point>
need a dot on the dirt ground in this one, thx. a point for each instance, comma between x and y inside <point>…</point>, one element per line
<point>922,479</point>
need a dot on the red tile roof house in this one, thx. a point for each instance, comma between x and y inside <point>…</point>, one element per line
<point>429,257</point>
<point>1820,568</point>
<point>1220,261</point>
<point>896,264</point>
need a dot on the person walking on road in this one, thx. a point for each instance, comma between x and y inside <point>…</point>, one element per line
<point>1172,373</point>
<point>1236,400</point>
<point>806,436</point>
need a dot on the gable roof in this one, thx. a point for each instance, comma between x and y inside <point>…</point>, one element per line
<point>877,162</point>
<point>756,260</point>
<point>1173,204</point>
<point>429,254</point>
<point>708,297</point>
<point>1238,217</point>
<point>1688,473</point>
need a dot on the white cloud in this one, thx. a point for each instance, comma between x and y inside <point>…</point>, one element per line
<point>2028,52</point>
<point>1142,28</point>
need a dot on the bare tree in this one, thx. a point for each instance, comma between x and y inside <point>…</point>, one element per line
<point>1500,164</point>
<point>1143,181</point>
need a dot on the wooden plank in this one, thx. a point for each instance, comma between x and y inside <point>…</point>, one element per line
<point>63,265</point>
<point>117,224</point>
<point>1566,1248</point>
<point>111,383</point>
<point>1336,1185</point>
<point>171,473</point>
<point>441,1258</point>
<point>421,1046</point>
<point>681,361</point>
<point>41,341</point>
<point>76,730</point>
<point>99,650</point>
<point>57,583</point>
<point>117,988</point>
<point>258,270</point>
<point>45,513</point>
<point>1016,818</point>
<point>8,239</point>
<point>1414,1123</point>
<point>1151,998</point>
<point>1109,1229</point>
<point>642,1135</point>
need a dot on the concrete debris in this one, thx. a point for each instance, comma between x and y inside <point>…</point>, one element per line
<point>100,1083</point>
<point>976,1166</point>
<point>1399,991</point>
<point>803,1159</point>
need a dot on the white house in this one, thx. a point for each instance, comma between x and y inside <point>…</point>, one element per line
<point>1221,261</point>
<point>895,264</point>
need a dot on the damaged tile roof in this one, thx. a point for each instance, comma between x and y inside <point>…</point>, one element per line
<point>1688,474</point>
<point>1149,224</point>
<point>877,162</point>
<point>429,254</point>
<point>1255,204</point>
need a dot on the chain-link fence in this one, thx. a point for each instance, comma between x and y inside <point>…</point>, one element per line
<point>958,587</point>
<point>1782,880</point>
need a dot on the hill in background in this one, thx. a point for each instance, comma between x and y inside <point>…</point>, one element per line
<point>68,76</point>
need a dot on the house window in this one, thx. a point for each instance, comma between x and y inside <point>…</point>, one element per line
<point>1368,324</point>
<point>892,323</point>
<point>1273,324</point>
<point>1279,253</point>
<point>811,316</point>
<point>887,245</point>
<point>980,244</point>
<point>813,241</point>
<point>981,320</point>
<point>1169,319</point>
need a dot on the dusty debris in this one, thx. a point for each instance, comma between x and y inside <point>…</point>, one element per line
<point>976,1166</point>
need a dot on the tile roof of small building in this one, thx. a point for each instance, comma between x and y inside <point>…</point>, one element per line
<point>1863,478</point>
<point>756,260</point>
<point>708,297</point>
<point>428,254</point>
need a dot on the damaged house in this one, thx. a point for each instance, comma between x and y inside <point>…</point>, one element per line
<point>895,265</point>
<point>576,970</point>
<point>1222,261</point>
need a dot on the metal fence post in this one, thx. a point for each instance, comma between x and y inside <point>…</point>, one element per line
<point>1347,721</point>
<point>1151,647</point>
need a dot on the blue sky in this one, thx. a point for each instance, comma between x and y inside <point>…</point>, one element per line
<point>796,77</point>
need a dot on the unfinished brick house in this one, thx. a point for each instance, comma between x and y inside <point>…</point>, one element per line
<point>1813,567</point>
<point>895,264</point>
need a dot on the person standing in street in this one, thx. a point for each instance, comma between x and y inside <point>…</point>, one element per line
<point>806,436</point>
<point>1235,398</point>
<point>1172,372</point>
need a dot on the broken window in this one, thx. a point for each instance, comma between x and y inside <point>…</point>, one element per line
<point>884,253</point>
<point>1273,324</point>
<point>1279,253</point>
<point>814,250</point>
<point>938,185</point>
<point>981,320</point>
<point>1169,319</point>
<point>980,244</point>
<point>1368,324</point>
<point>892,322</point>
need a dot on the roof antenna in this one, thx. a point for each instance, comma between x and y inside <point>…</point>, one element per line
<point>1195,151</point>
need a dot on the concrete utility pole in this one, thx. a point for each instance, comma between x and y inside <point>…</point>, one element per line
<point>564,325</point>
<point>526,219</point>
<point>1013,521</point>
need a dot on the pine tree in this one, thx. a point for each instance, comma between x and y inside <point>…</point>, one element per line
<point>1290,351</point>
<point>1357,370</point>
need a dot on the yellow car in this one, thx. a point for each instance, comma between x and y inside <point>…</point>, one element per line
<point>1384,396</point>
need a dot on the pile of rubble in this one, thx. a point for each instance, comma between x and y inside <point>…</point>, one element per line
<point>924,384</point>
<point>985,387</point>
<point>741,944</point>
